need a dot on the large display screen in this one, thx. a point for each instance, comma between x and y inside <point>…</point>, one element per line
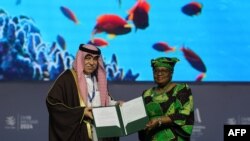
<point>39,39</point>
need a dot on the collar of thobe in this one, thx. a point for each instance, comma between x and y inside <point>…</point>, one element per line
<point>91,94</point>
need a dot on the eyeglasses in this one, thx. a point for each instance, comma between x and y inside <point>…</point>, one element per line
<point>162,71</point>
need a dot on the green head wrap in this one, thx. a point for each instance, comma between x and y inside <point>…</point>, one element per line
<point>166,62</point>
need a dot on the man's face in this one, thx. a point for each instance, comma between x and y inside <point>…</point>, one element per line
<point>90,63</point>
<point>162,75</point>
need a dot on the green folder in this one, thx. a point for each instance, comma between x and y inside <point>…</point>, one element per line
<point>116,121</point>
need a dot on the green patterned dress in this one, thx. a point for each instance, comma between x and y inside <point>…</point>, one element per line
<point>177,103</point>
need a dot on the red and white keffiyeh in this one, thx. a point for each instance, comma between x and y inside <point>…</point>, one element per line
<point>78,66</point>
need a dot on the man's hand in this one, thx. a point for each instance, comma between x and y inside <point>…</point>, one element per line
<point>88,112</point>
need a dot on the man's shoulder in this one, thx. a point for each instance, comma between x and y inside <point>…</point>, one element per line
<point>68,71</point>
<point>65,74</point>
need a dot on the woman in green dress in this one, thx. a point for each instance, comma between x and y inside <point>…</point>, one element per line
<point>169,105</point>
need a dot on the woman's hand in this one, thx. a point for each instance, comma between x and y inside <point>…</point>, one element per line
<point>88,112</point>
<point>119,102</point>
<point>152,124</point>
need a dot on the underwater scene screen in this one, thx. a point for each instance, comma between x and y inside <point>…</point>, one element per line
<point>39,39</point>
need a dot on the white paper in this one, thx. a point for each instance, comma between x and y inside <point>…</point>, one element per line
<point>106,116</point>
<point>133,110</point>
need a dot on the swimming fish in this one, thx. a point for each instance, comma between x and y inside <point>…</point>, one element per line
<point>163,47</point>
<point>61,42</point>
<point>192,8</point>
<point>111,24</point>
<point>194,60</point>
<point>200,77</point>
<point>99,42</point>
<point>139,14</point>
<point>69,14</point>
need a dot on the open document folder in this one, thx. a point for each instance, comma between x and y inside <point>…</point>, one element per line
<point>114,121</point>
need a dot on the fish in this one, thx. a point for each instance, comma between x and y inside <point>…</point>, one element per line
<point>111,24</point>
<point>192,8</point>
<point>99,42</point>
<point>194,60</point>
<point>61,42</point>
<point>163,47</point>
<point>69,14</point>
<point>139,14</point>
<point>200,77</point>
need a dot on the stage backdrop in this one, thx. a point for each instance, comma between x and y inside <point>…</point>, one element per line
<point>39,39</point>
<point>24,115</point>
